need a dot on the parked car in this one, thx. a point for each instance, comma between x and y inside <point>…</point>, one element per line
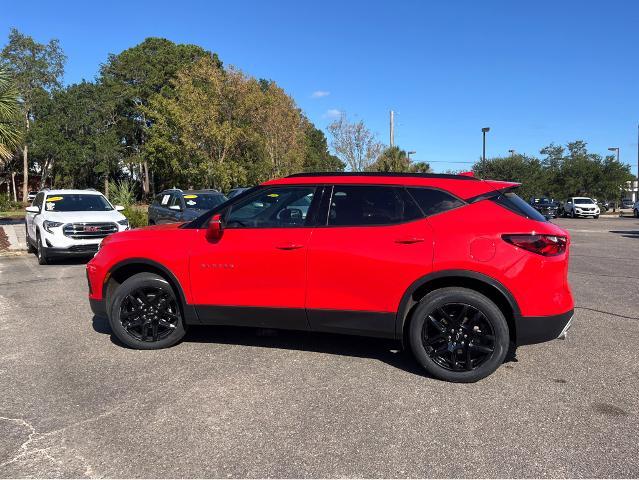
<point>182,205</point>
<point>580,207</point>
<point>546,206</point>
<point>236,191</point>
<point>31,196</point>
<point>381,255</point>
<point>627,208</point>
<point>63,223</point>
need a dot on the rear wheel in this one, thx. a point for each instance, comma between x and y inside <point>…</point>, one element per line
<point>145,313</point>
<point>458,335</point>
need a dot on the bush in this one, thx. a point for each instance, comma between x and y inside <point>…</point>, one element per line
<point>137,215</point>
<point>123,193</point>
<point>7,205</point>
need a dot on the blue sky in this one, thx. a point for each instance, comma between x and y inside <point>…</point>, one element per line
<point>535,72</point>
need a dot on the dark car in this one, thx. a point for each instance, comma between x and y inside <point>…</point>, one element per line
<point>546,206</point>
<point>236,191</point>
<point>182,205</point>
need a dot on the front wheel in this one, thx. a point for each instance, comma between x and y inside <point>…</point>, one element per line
<point>145,313</point>
<point>572,214</point>
<point>596,216</point>
<point>636,213</point>
<point>458,335</point>
<point>43,259</point>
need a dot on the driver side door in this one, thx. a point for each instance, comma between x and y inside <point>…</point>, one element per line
<point>255,274</point>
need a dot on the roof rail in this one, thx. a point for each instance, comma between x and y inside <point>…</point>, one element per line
<point>383,174</point>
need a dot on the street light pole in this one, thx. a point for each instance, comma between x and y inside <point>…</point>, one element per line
<point>412,152</point>
<point>512,153</point>
<point>615,149</point>
<point>483,131</point>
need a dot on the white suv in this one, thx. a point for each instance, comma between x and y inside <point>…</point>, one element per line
<point>580,207</point>
<point>70,223</point>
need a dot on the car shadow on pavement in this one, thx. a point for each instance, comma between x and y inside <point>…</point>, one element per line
<point>626,233</point>
<point>384,350</point>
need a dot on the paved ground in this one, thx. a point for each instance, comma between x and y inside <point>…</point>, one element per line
<point>230,402</point>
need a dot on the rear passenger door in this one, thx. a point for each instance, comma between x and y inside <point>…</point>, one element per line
<point>374,243</point>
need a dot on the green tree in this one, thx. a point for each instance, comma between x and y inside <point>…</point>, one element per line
<point>515,168</point>
<point>394,159</point>
<point>317,158</point>
<point>9,132</point>
<point>135,76</point>
<point>75,139</point>
<point>35,67</point>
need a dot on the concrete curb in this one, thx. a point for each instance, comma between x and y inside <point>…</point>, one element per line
<point>17,241</point>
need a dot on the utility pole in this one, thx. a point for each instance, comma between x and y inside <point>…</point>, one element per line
<point>392,128</point>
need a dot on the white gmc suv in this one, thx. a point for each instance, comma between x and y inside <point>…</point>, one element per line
<point>580,207</point>
<point>70,223</point>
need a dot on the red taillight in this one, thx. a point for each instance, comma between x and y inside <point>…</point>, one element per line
<point>546,245</point>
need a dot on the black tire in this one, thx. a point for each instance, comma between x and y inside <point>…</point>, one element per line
<point>596,216</point>
<point>30,248</point>
<point>572,213</point>
<point>438,352</point>
<point>151,326</point>
<point>636,213</point>
<point>43,259</point>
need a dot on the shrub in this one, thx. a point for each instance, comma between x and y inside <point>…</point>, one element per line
<point>7,204</point>
<point>137,216</point>
<point>123,193</point>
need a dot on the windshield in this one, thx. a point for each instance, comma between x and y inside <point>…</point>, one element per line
<point>77,202</point>
<point>203,201</point>
<point>583,201</point>
<point>542,200</point>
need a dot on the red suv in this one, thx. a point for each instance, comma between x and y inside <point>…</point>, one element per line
<point>457,268</point>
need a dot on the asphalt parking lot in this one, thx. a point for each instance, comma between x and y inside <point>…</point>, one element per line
<point>247,403</point>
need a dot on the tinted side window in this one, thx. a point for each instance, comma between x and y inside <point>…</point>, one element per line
<point>176,200</point>
<point>273,208</point>
<point>370,205</point>
<point>433,201</point>
<point>513,202</point>
<point>157,200</point>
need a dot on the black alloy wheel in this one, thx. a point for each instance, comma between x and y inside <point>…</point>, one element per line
<point>145,313</point>
<point>458,334</point>
<point>149,314</point>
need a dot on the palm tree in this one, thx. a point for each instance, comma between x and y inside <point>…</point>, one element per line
<point>9,131</point>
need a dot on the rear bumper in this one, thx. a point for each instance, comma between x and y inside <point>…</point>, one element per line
<point>542,329</point>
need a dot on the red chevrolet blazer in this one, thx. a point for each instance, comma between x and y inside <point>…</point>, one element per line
<point>455,268</point>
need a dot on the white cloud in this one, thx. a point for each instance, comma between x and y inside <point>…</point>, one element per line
<point>332,113</point>
<point>320,94</point>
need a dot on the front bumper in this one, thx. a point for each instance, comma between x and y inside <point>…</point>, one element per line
<point>72,251</point>
<point>98,307</point>
<point>531,330</point>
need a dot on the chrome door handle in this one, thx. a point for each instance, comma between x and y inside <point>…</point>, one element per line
<point>289,246</point>
<point>409,240</point>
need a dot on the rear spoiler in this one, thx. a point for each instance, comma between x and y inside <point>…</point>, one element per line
<point>499,188</point>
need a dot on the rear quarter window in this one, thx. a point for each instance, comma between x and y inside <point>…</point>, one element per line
<point>514,203</point>
<point>432,201</point>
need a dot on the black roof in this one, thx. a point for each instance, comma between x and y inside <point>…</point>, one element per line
<point>383,174</point>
